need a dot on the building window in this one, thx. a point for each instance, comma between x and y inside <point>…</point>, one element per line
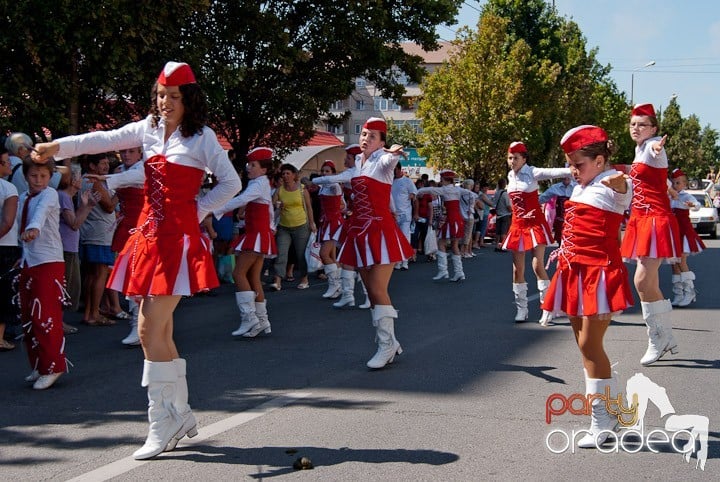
<point>359,83</point>
<point>335,129</point>
<point>382,104</point>
<point>358,129</point>
<point>360,104</point>
<point>339,105</point>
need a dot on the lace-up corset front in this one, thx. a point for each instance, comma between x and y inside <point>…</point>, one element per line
<point>525,207</point>
<point>650,195</point>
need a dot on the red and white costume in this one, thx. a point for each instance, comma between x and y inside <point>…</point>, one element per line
<point>372,235</point>
<point>454,225</point>
<point>652,230</point>
<point>42,280</point>
<point>529,227</point>
<point>259,213</point>
<point>331,219</point>
<point>130,199</point>
<point>691,242</point>
<point>166,254</point>
<point>591,278</point>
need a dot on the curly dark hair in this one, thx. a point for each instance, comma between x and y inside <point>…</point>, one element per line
<point>196,109</point>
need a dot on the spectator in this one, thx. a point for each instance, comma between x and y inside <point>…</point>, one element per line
<point>9,250</point>
<point>467,210</point>
<point>501,205</point>
<point>403,196</point>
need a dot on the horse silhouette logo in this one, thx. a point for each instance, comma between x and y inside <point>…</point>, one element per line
<point>697,425</point>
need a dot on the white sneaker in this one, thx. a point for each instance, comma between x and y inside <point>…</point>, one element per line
<point>46,381</point>
<point>34,375</point>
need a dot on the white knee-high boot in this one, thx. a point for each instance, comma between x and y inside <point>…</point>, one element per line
<point>347,284</point>
<point>521,301</point>
<point>542,286</point>
<point>458,274</point>
<point>442,265</point>
<point>133,338</point>
<point>160,378</point>
<point>366,304</point>
<point>656,315</point>
<point>383,317</point>
<point>263,321</point>
<point>182,407</point>
<point>688,287</point>
<point>248,319</point>
<point>333,276</point>
<point>601,422</point>
<point>677,289</point>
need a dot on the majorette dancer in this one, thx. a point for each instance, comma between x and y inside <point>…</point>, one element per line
<point>652,235</point>
<point>332,206</point>
<point>373,242</point>
<point>529,230</point>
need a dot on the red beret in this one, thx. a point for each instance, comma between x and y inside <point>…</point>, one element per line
<point>517,147</point>
<point>644,109</point>
<point>328,163</point>
<point>677,173</point>
<point>448,174</point>
<point>353,149</point>
<point>176,73</point>
<point>581,136</point>
<point>259,154</point>
<point>375,124</point>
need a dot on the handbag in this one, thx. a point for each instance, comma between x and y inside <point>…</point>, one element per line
<point>312,254</point>
<point>430,246</point>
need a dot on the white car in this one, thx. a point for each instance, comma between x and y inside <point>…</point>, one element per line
<point>705,219</point>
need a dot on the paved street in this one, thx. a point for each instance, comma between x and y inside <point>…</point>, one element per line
<point>465,401</point>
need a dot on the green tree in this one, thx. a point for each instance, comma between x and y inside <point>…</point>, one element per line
<point>402,133</point>
<point>709,151</point>
<point>72,65</point>
<point>684,151</point>
<point>275,67</point>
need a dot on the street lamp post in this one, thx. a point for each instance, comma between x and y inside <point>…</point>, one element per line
<point>632,80</point>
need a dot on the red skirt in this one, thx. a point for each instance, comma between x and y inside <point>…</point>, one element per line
<point>585,290</point>
<point>652,237</point>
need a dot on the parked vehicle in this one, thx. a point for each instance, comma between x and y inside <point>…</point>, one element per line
<point>705,219</point>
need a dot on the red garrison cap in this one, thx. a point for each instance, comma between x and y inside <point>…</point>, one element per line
<point>259,154</point>
<point>353,149</point>
<point>176,73</point>
<point>447,173</point>
<point>328,163</point>
<point>375,124</point>
<point>517,147</point>
<point>643,109</point>
<point>677,173</point>
<point>581,136</point>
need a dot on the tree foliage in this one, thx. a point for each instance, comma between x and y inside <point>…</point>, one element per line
<point>73,65</point>
<point>692,149</point>
<point>525,74</point>
<point>271,68</point>
<point>274,68</point>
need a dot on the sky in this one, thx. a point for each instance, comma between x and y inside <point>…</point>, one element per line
<point>682,37</point>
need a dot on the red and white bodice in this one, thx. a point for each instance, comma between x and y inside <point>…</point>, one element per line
<point>591,277</point>
<point>331,217</point>
<point>454,225</point>
<point>652,230</point>
<point>258,235</point>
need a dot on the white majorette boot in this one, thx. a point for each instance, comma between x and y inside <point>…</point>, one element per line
<point>366,304</point>
<point>656,315</point>
<point>542,286</point>
<point>521,301</point>
<point>601,422</point>
<point>688,286</point>
<point>246,304</point>
<point>262,315</point>
<point>677,289</point>
<point>133,339</point>
<point>160,378</point>
<point>182,407</point>
<point>347,284</point>
<point>442,266</point>
<point>458,274</point>
<point>263,318</point>
<point>333,276</point>
<point>383,317</point>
